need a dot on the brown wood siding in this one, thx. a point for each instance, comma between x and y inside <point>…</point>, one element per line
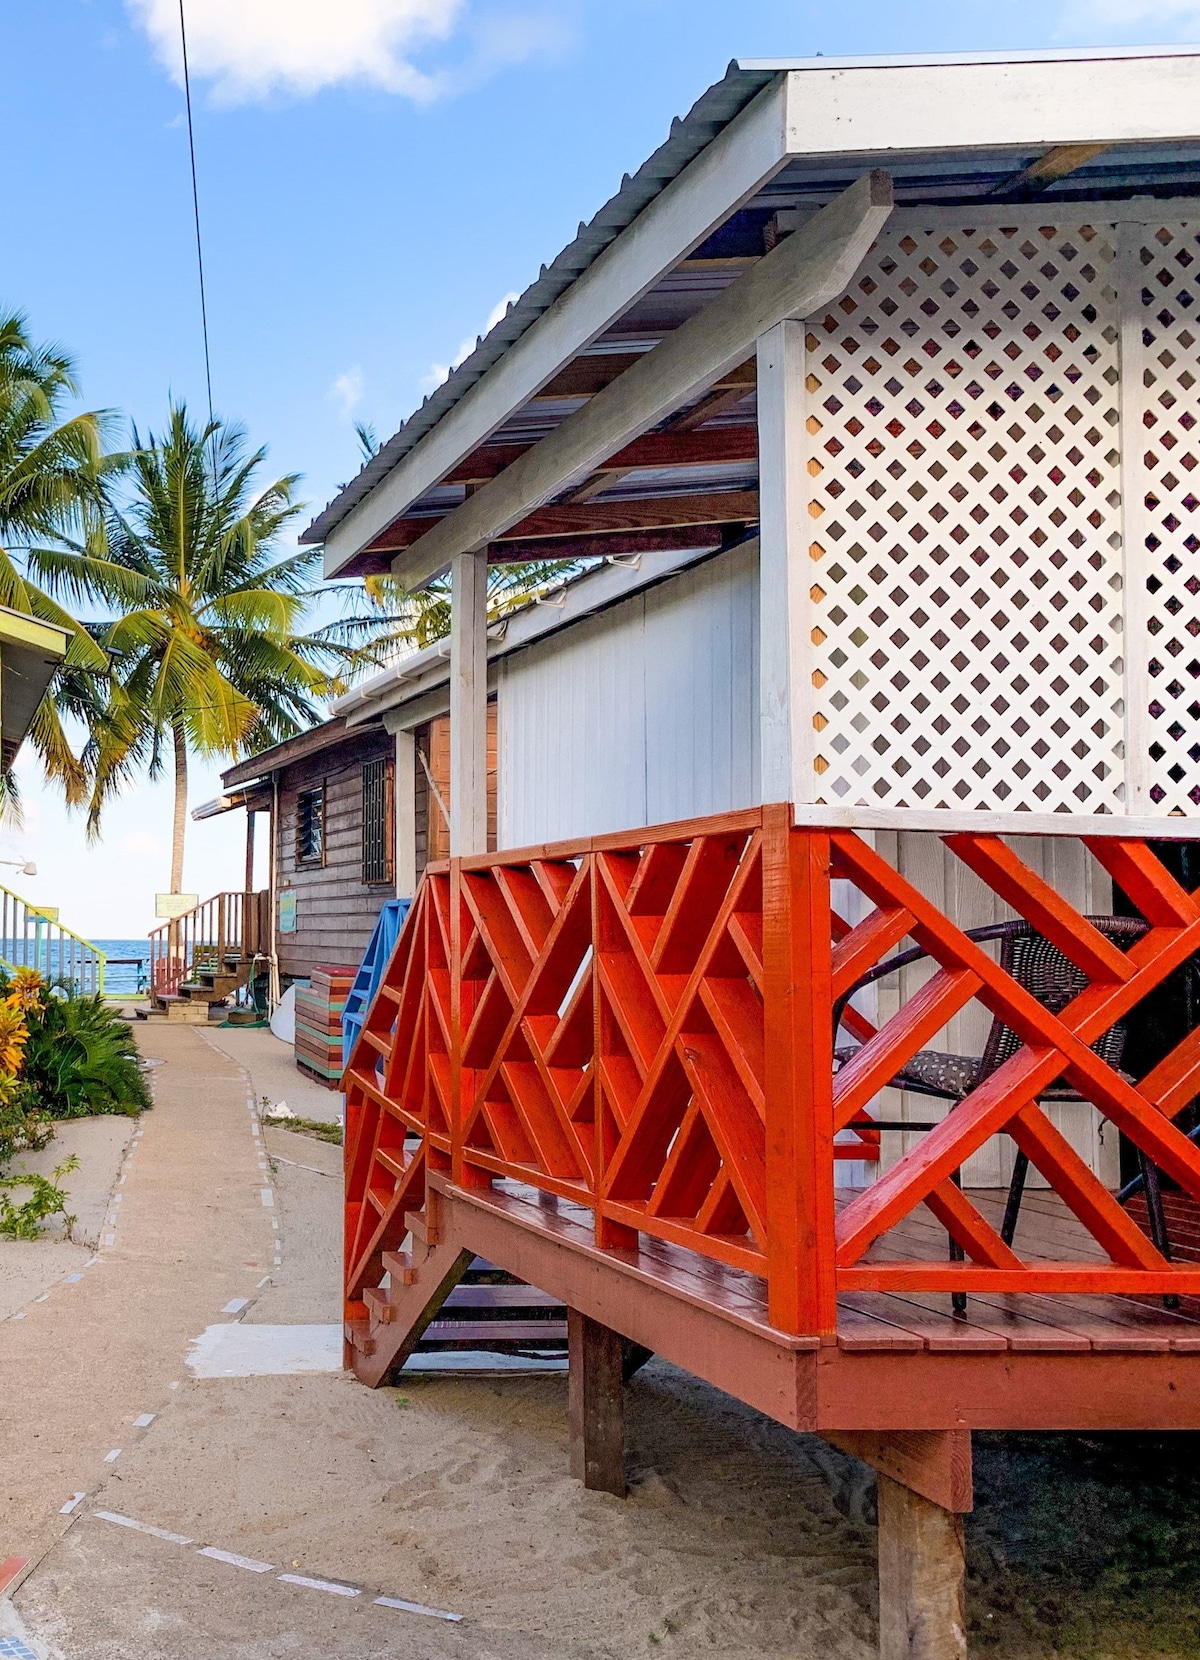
<point>433,833</point>
<point>335,909</point>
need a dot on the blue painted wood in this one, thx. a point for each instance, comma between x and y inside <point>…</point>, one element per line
<point>370,971</point>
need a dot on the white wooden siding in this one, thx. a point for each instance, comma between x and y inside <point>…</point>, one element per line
<point>642,715</point>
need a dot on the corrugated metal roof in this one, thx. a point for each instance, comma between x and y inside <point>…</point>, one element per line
<point>689,135</point>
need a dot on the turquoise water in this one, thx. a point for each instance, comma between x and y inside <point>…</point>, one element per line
<point>122,980</point>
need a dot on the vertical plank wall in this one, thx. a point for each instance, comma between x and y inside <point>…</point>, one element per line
<point>644,714</point>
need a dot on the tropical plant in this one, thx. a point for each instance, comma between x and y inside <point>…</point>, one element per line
<point>24,1126</point>
<point>46,1199</point>
<point>52,473</point>
<point>80,1059</point>
<point>208,654</point>
<point>395,621</point>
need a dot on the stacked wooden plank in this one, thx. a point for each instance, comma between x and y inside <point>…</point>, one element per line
<point>319,1008</point>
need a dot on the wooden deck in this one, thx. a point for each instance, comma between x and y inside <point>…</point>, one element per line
<point>897,1362</point>
<point>608,1068</point>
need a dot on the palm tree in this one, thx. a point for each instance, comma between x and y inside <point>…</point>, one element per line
<point>52,472</point>
<point>207,652</point>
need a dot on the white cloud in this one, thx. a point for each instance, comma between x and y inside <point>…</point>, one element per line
<point>439,371</point>
<point>251,49</point>
<point>347,391</point>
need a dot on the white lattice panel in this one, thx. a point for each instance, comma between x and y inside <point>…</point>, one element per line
<point>1164,279</point>
<point>963,407</point>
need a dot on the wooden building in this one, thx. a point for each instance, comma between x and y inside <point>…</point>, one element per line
<point>797,1027</point>
<point>330,795</point>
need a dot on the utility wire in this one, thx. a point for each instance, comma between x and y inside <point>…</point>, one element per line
<point>187,93</point>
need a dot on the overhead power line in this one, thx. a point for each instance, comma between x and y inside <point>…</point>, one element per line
<point>187,93</point>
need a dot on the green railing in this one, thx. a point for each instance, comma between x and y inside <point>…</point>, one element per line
<point>30,938</point>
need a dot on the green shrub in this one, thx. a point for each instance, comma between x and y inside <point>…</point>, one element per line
<point>24,1126</point>
<point>45,1199</point>
<point>80,1059</point>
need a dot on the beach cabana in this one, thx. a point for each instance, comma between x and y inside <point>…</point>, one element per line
<point>815,1019</point>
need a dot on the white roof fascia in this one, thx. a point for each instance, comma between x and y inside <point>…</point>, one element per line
<point>595,590</point>
<point>743,157</point>
<point>978,103</point>
<point>920,60</point>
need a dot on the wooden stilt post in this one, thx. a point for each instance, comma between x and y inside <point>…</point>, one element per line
<point>925,1484</point>
<point>596,1404</point>
<point>922,1574</point>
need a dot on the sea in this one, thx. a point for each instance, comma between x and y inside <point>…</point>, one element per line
<point>125,979</point>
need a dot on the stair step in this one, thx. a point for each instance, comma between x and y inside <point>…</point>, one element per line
<point>399,1265</point>
<point>500,1296</point>
<point>357,1332</point>
<point>492,1331</point>
<point>418,1224</point>
<point>380,1304</point>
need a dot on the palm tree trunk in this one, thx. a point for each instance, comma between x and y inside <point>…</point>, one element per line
<point>180,824</point>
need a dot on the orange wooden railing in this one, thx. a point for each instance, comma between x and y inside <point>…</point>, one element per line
<point>642,1024</point>
<point>211,932</point>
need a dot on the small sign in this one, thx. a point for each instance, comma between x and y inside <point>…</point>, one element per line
<point>286,912</point>
<point>48,913</point>
<point>172,905</point>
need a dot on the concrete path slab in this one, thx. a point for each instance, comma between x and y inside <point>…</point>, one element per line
<point>189,1233</point>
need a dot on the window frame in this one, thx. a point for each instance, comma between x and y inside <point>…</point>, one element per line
<point>310,860</point>
<point>378,778</point>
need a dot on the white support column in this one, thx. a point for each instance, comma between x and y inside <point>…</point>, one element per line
<point>1135,523</point>
<point>468,704</point>
<point>785,685</point>
<point>405,807</point>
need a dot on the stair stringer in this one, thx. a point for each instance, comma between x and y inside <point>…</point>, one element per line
<point>378,1346</point>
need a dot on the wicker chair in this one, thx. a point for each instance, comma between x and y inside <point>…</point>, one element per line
<point>1040,968</point>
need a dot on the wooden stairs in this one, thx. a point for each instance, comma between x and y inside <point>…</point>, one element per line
<point>441,1297</point>
<point>199,960</point>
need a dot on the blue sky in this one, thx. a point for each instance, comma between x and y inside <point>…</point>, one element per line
<point>376,176</point>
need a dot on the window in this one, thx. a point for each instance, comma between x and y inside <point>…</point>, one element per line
<point>310,827</point>
<point>378,822</point>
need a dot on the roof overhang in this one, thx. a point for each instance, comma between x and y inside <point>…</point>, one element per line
<point>30,653</point>
<point>254,800</point>
<point>946,128</point>
<point>260,767</point>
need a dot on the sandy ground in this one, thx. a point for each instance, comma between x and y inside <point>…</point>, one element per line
<point>454,1493</point>
<point>451,1493</point>
<point>273,1071</point>
<point>30,1268</point>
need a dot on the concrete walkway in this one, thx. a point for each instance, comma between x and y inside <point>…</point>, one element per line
<point>191,1232</point>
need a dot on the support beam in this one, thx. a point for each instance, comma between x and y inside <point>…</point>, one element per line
<point>922,1578</point>
<point>801,274</point>
<point>934,1463</point>
<point>249,888</point>
<point>468,705</point>
<point>785,683</point>
<point>405,797</point>
<point>618,544</point>
<point>598,518</point>
<point>596,1404</point>
<point>674,448</point>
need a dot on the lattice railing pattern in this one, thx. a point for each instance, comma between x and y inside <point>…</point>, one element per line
<point>963,403</point>
<point>642,1025</point>
<point>1167,273</point>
